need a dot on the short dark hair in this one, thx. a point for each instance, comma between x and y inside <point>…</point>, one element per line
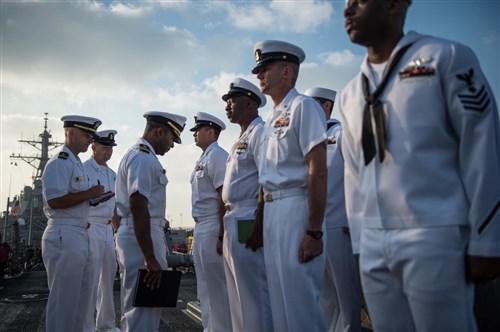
<point>152,125</point>
<point>322,101</point>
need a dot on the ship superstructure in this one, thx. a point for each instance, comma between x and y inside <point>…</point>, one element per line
<point>25,223</point>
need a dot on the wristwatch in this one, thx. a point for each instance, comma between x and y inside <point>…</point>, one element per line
<point>315,234</point>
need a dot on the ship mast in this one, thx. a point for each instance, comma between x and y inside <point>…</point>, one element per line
<point>44,146</point>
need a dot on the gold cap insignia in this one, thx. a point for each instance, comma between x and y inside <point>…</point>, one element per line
<point>258,54</point>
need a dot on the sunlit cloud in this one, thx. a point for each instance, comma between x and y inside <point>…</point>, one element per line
<point>129,10</point>
<point>340,58</point>
<point>289,16</point>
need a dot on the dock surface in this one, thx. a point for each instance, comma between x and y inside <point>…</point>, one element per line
<point>23,300</point>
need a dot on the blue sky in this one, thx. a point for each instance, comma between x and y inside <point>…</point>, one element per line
<point>117,60</point>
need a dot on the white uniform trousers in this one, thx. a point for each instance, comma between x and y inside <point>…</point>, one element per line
<point>340,296</point>
<point>414,279</point>
<point>210,277</point>
<point>294,287</point>
<point>67,256</point>
<point>130,260</point>
<point>245,277</point>
<point>105,266</point>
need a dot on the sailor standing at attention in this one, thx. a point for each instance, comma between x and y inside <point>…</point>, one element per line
<point>208,210</point>
<point>245,269</point>
<point>141,203</point>
<point>340,296</point>
<point>292,174</point>
<point>103,222</point>
<point>421,143</point>
<point>67,254</point>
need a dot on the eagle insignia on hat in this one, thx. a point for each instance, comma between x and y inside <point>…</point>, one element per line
<point>258,54</point>
<point>231,86</point>
<point>111,136</point>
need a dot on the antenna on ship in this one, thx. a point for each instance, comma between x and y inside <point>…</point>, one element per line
<point>44,145</point>
<point>30,199</point>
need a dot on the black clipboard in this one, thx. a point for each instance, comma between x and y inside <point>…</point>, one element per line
<point>103,198</point>
<point>165,296</point>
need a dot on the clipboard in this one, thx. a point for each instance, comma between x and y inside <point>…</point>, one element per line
<point>165,296</point>
<point>245,227</point>
<point>104,197</point>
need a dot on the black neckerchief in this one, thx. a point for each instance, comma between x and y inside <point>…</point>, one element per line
<point>373,105</point>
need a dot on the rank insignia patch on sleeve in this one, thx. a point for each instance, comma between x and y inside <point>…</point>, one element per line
<point>473,100</point>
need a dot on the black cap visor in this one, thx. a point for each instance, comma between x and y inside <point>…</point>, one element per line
<point>201,124</point>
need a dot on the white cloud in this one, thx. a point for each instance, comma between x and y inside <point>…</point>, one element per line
<point>212,25</point>
<point>183,37</point>
<point>181,5</point>
<point>284,16</point>
<point>340,58</point>
<point>93,46</point>
<point>129,10</point>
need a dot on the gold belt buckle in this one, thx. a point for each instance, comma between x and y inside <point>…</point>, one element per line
<point>268,197</point>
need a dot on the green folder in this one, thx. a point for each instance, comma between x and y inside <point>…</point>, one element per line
<point>245,227</point>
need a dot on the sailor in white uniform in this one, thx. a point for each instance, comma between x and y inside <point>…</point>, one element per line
<point>293,174</point>
<point>103,222</point>
<point>245,269</point>
<point>141,203</point>
<point>207,210</point>
<point>340,296</point>
<point>421,143</point>
<point>67,254</point>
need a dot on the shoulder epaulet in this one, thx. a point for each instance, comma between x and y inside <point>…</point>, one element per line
<point>144,148</point>
<point>62,155</point>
